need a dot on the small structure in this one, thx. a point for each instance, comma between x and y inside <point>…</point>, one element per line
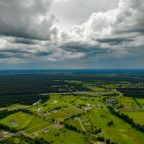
<point>39,109</point>
<point>54,111</point>
<point>54,102</point>
<point>34,104</point>
<point>88,104</point>
<point>46,130</point>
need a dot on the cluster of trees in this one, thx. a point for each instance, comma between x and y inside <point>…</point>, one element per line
<point>40,141</point>
<point>31,84</point>
<point>96,131</point>
<point>5,113</point>
<point>132,92</point>
<point>5,127</point>
<point>28,111</point>
<point>110,123</point>
<point>76,129</point>
<point>24,139</point>
<point>107,141</point>
<point>27,99</point>
<point>73,128</point>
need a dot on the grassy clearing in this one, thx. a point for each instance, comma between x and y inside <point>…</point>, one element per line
<point>129,103</point>
<point>24,121</point>
<point>86,112</point>
<point>17,140</point>
<point>119,131</point>
<point>137,116</point>
<point>66,101</point>
<point>64,136</point>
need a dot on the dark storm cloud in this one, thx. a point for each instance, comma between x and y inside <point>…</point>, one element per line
<point>25,41</point>
<point>23,52</point>
<point>130,18</point>
<point>13,53</point>
<point>44,53</point>
<point>114,40</point>
<point>26,18</point>
<point>90,50</point>
<point>30,34</point>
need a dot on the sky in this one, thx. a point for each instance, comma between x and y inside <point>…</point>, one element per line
<point>71,34</point>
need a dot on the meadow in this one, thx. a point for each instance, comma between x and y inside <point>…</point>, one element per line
<point>81,112</point>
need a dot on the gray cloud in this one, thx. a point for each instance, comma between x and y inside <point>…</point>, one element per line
<point>130,17</point>
<point>26,18</point>
<point>31,35</point>
<point>71,12</point>
<point>25,41</point>
<point>114,40</point>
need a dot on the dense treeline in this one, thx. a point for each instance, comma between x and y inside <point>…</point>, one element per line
<point>21,84</point>
<point>135,92</point>
<point>27,99</point>
<point>24,139</point>
<point>73,128</point>
<point>7,128</point>
<point>103,140</point>
<point>41,83</point>
<point>25,88</point>
<point>5,113</point>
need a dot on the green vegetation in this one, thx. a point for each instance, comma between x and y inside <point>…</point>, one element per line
<point>25,122</point>
<point>64,136</point>
<point>73,110</point>
<point>137,116</point>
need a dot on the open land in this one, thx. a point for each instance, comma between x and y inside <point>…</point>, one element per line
<point>58,108</point>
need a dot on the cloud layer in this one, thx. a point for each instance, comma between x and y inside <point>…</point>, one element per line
<point>27,18</point>
<point>30,34</point>
<point>71,12</point>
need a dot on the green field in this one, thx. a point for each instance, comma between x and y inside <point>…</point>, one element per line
<point>64,136</point>
<point>81,117</point>
<point>137,116</point>
<point>25,122</point>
